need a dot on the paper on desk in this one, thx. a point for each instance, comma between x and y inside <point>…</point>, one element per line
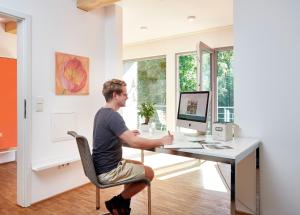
<point>186,145</point>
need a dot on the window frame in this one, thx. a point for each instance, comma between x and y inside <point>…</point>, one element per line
<point>156,57</point>
<point>145,58</point>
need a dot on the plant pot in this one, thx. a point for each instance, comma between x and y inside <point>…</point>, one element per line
<point>144,127</point>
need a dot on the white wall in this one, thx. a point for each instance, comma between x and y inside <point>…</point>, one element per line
<point>267,101</point>
<point>218,37</point>
<point>59,26</point>
<point>113,42</point>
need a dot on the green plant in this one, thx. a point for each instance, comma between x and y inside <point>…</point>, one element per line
<point>147,111</point>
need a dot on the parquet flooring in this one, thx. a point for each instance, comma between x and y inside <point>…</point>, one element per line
<point>175,196</point>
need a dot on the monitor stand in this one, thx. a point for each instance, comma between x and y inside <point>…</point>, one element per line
<point>195,134</point>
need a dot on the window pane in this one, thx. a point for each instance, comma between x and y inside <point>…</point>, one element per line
<point>152,87</point>
<point>206,83</point>
<point>225,102</point>
<point>151,76</point>
<point>187,76</point>
<point>187,73</point>
<point>206,71</point>
<point>146,82</point>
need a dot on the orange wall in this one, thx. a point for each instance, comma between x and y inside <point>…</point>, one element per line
<point>8,103</point>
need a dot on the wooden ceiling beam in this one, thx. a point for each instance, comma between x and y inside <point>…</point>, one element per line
<point>11,27</point>
<point>88,5</point>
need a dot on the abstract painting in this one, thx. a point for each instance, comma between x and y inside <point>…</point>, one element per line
<point>71,74</point>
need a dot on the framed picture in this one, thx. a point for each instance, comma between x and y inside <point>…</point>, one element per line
<point>71,74</point>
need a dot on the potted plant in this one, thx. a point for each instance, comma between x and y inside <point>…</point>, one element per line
<point>147,111</point>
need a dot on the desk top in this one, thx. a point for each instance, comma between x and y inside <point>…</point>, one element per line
<point>240,147</point>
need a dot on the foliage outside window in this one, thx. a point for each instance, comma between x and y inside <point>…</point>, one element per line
<point>187,72</point>
<point>225,98</point>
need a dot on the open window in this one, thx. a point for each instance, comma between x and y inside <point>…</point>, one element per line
<point>209,69</point>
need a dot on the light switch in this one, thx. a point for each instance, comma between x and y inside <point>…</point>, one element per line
<point>39,106</point>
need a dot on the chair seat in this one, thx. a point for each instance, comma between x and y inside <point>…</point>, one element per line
<point>129,181</point>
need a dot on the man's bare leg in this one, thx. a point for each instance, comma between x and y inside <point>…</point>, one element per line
<point>132,189</point>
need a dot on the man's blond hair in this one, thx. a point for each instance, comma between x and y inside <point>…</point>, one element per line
<point>111,86</point>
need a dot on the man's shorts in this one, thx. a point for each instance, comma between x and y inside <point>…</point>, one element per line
<point>124,171</point>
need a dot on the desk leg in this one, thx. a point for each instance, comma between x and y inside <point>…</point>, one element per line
<point>257,172</point>
<point>232,189</point>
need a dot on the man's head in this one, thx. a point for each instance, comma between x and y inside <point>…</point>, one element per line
<point>115,90</point>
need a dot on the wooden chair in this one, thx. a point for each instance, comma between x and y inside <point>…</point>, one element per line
<point>89,170</point>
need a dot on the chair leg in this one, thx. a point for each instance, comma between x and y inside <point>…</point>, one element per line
<point>97,198</point>
<point>149,198</point>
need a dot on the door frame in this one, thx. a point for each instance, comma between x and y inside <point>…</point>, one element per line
<point>24,132</point>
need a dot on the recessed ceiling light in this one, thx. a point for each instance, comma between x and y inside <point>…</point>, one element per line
<point>191,18</point>
<point>144,28</point>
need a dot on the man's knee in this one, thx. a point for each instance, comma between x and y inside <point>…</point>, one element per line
<point>149,173</point>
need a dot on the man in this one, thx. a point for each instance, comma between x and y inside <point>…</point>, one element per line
<point>109,133</point>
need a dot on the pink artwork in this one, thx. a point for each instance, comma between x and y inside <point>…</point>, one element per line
<point>71,75</point>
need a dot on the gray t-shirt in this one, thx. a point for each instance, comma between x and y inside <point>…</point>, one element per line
<point>107,146</point>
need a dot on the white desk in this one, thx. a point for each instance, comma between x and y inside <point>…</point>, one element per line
<point>241,148</point>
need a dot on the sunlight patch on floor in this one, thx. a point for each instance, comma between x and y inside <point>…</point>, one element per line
<point>211,179</point>
<point>181,172</point>
<point>169,166</point>
<point>162,160</point>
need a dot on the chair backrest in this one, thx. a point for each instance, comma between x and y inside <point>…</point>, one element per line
<point>86,157</point>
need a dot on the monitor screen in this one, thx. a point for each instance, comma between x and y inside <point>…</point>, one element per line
<point>192,110</point>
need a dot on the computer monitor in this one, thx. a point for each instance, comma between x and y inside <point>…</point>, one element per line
<point>192,110</point>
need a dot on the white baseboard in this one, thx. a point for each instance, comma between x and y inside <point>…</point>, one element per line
<point>8,156</point>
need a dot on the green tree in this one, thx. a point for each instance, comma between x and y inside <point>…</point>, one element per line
<point>225,84</point>
<point>225,78</point>
<point>187,73</point>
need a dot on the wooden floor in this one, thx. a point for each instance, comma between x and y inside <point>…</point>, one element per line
<point>175,196</point>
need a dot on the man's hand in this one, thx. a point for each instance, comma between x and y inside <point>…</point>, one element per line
<point>135,132</point>
<point>168,139</point>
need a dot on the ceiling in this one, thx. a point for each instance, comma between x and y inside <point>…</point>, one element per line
<point>166,18</point>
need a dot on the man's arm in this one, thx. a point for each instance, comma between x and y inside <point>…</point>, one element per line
<point>135,141</point>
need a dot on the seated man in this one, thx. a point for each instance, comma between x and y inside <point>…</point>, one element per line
<point>109,133</point>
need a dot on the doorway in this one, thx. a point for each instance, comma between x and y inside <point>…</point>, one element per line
<point>23,101</point>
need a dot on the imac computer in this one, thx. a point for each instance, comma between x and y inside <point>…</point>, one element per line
<point>192,110</point>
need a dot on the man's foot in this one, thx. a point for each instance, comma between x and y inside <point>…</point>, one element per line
<point>124,202</point>
<point>117,207</point>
